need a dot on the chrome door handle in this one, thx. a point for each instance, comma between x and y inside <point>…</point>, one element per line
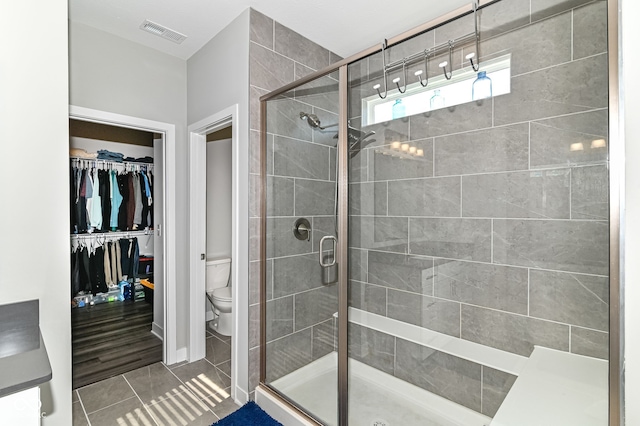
<point>333,259</point>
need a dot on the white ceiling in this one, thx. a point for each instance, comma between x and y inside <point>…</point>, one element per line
<point>342,26</point>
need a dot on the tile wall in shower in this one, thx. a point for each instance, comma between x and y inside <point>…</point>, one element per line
<point>300,183</point>
<point>499,234</point>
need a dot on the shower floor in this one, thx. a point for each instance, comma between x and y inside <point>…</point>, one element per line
<point>376,398</point>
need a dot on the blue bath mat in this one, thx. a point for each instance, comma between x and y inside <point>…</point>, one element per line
<point>248,415</point>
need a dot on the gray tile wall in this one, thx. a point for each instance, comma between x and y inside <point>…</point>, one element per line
<point>300,183</point>
<point>499,234</point>
<point>472,385</point>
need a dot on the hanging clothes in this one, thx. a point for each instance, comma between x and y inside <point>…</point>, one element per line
<point>116,200</point>
<point>97,269</point>
<point>95,208</point>
<point>105,198</point>
<point>131,202</point>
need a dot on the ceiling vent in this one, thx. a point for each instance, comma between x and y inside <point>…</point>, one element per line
<point>161,31</point>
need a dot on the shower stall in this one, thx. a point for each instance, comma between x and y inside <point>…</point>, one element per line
<point>435,241</point>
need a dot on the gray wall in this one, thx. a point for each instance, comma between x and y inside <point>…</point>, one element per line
<point>277,57</point>
<point>219,198</point>
<point>499,235</point>
<point>217,79</point>
<point>34,124</point>
<point>109,73</point>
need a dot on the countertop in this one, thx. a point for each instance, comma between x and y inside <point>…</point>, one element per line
<point>24,362</point>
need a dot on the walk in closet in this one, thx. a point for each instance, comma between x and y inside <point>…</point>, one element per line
<point>116,323</point>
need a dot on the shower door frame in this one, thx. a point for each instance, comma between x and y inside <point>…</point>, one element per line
<point>616,214</point>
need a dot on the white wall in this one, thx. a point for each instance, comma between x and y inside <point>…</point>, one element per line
<point>34,102</point>
<point>219,198</point>
<point>631,105</point>
<point>218,78</point>
<point>109,73</point>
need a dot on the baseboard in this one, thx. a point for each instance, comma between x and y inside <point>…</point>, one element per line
<point>209,316</point>
<point>181,355</point>
<point>241,396</point>
<point>157,331</point>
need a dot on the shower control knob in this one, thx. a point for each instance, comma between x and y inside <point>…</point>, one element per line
<point>302,229</point>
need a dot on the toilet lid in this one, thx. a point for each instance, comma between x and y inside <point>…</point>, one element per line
<point>223,293</point>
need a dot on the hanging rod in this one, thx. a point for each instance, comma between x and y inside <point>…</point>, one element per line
<point>434,51</point>
<point>112,163</point>
<point>427,26</point>
<point>114,234</point>
<point>425,54</point>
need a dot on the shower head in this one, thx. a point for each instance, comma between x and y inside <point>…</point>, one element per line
<point>357,137</point>
<point>312,120</point>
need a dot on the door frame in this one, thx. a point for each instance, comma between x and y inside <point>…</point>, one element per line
<point>239,245</point>
<point>168,231</point>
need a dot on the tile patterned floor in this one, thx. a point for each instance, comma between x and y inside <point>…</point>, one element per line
<point>184,394</point>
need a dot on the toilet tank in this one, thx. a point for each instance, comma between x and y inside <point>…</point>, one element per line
<point>218,271</point>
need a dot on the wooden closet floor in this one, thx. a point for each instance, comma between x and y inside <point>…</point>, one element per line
<point>111,339</point>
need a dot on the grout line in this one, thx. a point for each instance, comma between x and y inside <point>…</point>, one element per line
<point>433,157</point>
<point>570,332</point>
<point>481,386</point>
<point>461,198</point>
<point>395,355</point>
<point>493,112</point>
<point>572,29</point>
<point>387,184</point>
<point>528,291</point>
<point>488,308</point>
<point>558,65</point>
<point>492,241</point>
<point>529,140</point>
<point>484,263</point>
<point>570,193</point>
<point>469,218</point>
<point>140,399</point>
<point>86,416</point>
<point>294,197</point>
<point>293,313</point>
<point>386,301</point>
<point>460,320</point>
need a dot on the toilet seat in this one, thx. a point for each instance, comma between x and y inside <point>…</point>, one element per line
<point>222,294</point>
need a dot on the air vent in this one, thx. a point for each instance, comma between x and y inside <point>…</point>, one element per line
<point>164,32</point>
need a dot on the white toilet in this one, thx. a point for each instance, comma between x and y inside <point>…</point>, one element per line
<point>218,282</point>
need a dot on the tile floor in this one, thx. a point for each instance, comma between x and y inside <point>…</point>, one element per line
<point>183,394</point>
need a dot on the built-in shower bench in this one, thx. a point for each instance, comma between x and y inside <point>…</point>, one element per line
<point>552,387</point>
<point>557,388</point>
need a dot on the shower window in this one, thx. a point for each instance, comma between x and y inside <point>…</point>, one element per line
<point>439,93</point>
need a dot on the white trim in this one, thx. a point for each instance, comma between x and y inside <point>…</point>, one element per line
<point>471,351</point>
<point>157,330</point>
<point>169,226</point>
<point>239,243</point>
<point>181,355</point>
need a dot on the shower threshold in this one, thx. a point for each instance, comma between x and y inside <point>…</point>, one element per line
<point>376,398</point>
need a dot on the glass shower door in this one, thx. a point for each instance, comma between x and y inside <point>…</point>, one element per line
<point>478,229</point>
<point>302,295</point>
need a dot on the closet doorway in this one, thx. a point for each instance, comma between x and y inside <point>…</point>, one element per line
<point>119,310</point>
